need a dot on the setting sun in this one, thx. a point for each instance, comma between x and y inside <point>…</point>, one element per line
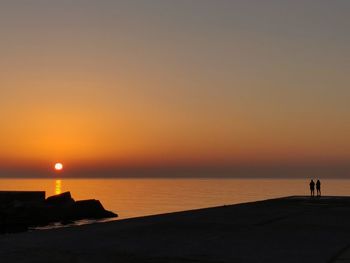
<point>58,166</point>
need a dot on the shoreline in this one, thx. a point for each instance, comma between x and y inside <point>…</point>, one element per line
<point>287,229</point>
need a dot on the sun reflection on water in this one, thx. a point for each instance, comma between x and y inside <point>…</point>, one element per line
<point>58,186</point>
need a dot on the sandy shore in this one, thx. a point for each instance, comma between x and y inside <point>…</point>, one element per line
<point>293,229</point>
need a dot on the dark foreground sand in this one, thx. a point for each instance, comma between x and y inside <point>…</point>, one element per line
<point>293,229</point>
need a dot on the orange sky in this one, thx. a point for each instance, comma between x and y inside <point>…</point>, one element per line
<point>169,83</point>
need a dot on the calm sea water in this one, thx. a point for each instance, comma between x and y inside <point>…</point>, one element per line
<point>139,197</point>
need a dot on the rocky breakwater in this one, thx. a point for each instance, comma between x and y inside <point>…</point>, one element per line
<point>17,214</point>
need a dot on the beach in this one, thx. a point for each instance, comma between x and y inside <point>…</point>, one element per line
<point>290,229</point>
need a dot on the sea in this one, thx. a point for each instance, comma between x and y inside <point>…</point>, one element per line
<point>148,196</point>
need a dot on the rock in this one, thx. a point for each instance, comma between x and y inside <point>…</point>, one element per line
<point>63,208</point>
<point>17,216</point>
<point>90,209</point>
<point>63,199</point>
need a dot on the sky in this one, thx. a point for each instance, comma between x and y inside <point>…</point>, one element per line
<point>219,87</point>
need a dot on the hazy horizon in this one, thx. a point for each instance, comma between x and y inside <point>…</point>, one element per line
<point>334,171</point>
<point>175,88</point>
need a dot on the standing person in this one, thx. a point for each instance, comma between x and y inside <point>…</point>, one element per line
<point>318,187</point>
<point>312,187</point>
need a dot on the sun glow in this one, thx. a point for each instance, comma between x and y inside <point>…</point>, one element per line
<point>58,166</point>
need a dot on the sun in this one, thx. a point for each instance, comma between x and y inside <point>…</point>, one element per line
<point>58,166</point>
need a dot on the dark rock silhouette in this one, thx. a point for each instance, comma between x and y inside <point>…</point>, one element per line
<point>63,199</point>
<point>89,209</point>
<point>18,216</point>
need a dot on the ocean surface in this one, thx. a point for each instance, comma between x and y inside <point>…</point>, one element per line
<point>140,197</point>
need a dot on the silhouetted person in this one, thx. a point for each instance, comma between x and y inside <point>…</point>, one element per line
<point>318,188</point>
<point>312,187</point>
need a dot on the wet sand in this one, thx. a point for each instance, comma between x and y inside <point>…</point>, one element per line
<point>291,229</point>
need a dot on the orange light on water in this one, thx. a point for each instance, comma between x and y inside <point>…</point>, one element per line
<point>58,166</point>
<point>58,187</point>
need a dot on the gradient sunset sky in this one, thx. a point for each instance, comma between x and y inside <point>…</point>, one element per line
<point>100,85</point>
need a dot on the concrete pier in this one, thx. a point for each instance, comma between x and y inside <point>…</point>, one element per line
<point>292,229</point>
<point>22,196</point>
